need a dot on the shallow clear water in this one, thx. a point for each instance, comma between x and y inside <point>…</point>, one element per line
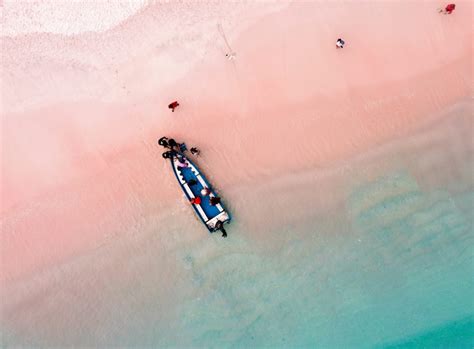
<point>404,269</point>
<point>388,265</point>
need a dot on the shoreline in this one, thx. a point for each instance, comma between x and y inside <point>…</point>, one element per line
<point>87,176</point>
<point>330,179</point>
<point>171,255</point>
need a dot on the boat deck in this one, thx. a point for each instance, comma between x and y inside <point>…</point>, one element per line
<point>208,213</point>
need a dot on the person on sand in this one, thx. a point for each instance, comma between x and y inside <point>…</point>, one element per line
<point>215,200</point>
<point>230,56</point>
<point>173,105</point>
<point>340,43</point>
<point>449,9</point>
<point>196,200</point>
<point>195,151</point>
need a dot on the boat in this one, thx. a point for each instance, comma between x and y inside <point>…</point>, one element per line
<point>196,187</point>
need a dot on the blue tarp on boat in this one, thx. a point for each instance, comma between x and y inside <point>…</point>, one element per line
<point>213,216</point>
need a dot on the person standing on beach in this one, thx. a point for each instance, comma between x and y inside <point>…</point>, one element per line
<point>195,151</point>
<point>230,56</point>
<point>173,105</point>
<point>340,43</point>
<point>448,9</point>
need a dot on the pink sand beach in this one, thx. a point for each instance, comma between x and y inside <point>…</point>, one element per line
<point>83,106</point>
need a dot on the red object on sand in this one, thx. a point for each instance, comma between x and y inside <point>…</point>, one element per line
<point>450,8</point>
<point>196,200</point>
<point>173,105</point>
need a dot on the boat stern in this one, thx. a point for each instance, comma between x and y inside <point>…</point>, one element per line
<point>221,217</point>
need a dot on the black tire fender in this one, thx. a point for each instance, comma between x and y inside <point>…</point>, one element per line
<point>162,141</point>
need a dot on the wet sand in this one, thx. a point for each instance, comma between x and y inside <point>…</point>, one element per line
<point>149,282</point>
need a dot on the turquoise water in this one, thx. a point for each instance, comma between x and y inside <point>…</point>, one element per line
<point>407,268</point>
<point>455,334</point>
<point>390,267</point>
